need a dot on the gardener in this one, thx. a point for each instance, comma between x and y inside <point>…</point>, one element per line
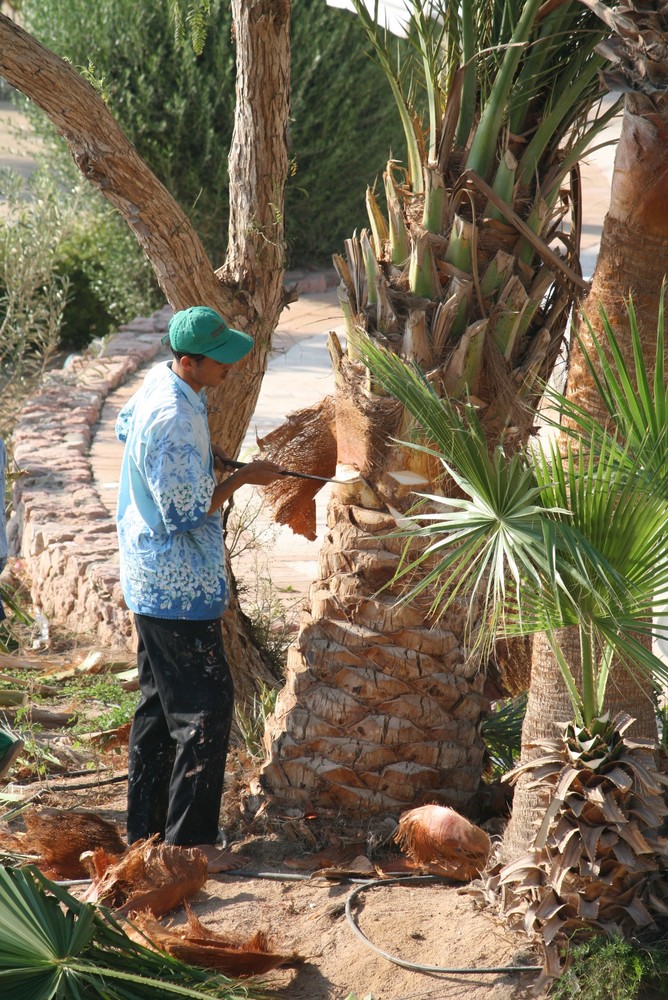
<point>10,747</point>
<point>174,580</point>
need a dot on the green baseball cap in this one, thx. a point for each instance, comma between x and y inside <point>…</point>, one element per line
<point>201,330</point>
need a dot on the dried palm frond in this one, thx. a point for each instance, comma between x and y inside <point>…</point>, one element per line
<point>61,836</point>
<point>197,945</point>
<point>441,840</point>
<point>599,861</point>
<point>149,876</point>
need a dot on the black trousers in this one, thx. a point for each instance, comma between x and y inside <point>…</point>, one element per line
<point>180,733</point>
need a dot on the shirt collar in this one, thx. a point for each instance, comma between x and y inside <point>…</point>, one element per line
<point>196,399</point>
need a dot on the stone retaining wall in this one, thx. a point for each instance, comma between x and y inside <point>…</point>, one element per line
<point>62,530</point>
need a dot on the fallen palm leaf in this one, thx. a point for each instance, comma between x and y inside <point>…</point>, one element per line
<point>197,945</point>
<point>149,876</point>
<point>52,945</point>
<point>441,840</point>
<point>61,836</point>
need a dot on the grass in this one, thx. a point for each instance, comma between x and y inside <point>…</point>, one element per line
<point>615,969</point>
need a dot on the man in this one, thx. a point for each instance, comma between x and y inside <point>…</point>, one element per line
<point>10,748</point>
<point>173,578</point>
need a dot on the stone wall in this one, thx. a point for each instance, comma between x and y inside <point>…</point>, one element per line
<point>62,530</point>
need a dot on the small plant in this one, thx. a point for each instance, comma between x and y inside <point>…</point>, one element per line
<point>251,719</point>
<point>105,699</point>
<point>502,733</point>
<point>613,969</point>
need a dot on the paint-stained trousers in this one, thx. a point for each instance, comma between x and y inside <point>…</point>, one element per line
<point>180,732</point>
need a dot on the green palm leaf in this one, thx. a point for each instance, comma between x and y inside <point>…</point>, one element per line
<point>581,539</point>
<point>52,945</point>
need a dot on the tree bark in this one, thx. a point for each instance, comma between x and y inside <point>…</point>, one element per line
<point>632,261</point>
<point>248,289</point>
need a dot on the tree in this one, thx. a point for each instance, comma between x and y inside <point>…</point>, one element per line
<point>559,543</point>
<point>631,261</point>
<point>381,709</point>
<point>248,288</point>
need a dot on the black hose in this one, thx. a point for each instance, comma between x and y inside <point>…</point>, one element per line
<point>358,890</point>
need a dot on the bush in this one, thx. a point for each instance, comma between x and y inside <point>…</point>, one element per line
<point>178,109</point>
<point>70,270</point>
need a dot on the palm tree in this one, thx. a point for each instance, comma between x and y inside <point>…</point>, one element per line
<point>631,261</point>
<point>471,272</point>
<point>563,543</point>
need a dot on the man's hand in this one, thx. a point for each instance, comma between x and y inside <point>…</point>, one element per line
<point>261,473</point>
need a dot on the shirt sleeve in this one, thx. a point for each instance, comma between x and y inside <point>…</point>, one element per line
<point>179,479</point>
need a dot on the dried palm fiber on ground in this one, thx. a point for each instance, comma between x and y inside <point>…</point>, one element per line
<point>61,836</point>
<point>149,876</point>
<point>197,945</point>
<point>305,442</point>
<point>441,840</point>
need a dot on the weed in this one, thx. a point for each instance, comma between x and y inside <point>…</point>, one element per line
<point>613,969</point>
<point>105,700</point>
<point>251,719</point>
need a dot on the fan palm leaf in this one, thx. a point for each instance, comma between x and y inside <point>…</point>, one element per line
<point>582,541</point>
<point>52,945</point>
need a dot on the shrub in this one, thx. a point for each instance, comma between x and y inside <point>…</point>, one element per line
<point>178,109</point>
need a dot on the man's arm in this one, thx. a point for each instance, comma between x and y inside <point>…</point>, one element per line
<point>259,473</point>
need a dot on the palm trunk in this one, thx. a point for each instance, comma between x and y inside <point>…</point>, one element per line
<point>382,706</point>
<point>632,261</point>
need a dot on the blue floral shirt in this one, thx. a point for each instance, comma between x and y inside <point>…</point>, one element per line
<point>172,557</point>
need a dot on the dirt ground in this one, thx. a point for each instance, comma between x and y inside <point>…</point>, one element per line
<point>430,923</point>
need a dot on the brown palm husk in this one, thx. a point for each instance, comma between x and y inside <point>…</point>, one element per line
<point>305,442</point>
<point>150,876</point>
<point>61,836</point>
<point>197,945</point>
<point>439,839</point>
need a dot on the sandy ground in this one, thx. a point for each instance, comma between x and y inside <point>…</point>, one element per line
<point>430,923</point>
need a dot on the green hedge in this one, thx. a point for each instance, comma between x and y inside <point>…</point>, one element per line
<point>178,109</point>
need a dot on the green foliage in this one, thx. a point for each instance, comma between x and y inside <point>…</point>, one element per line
<point>104,695</point>
<point>52,945</point>
<point>251,719</point>
<point>32,296</point>
<point>70,270</point>
<point>613,969</point>
<point>177,106</point>
<point>537,542</point>
<point>502,732</point>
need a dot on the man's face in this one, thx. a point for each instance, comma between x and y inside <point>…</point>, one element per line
<point>209,373</point>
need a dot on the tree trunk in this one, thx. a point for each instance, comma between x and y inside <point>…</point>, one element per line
<point>632,260</point>
<point>248,289</point>
<point>382,704</point>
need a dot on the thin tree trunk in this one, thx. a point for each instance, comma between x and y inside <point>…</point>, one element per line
<point>248,289</point>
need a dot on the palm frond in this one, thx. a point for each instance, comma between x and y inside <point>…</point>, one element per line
<point>52,945</point>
